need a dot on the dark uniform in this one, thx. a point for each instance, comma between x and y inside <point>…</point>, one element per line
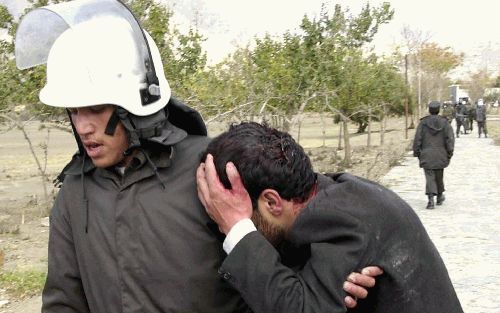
<point>460,117</point>
<point>433,145</point>
<point>448,112</point>
<point>144,244</point>
<point>481,120</point>
<point>471,112</point>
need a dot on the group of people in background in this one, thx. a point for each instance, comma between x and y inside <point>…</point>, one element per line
<point>464,114</point>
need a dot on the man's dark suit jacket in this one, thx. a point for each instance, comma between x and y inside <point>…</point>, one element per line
<point>350,224</point>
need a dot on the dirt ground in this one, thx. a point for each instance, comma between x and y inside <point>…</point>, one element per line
<point>24,231</point>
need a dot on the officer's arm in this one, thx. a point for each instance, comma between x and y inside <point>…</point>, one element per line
<point>63,291</point>
<point>417,141</point>
<point>450,141</point>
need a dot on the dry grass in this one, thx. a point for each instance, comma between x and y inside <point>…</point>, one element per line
<point>23,284</point>
<point>493,126</point>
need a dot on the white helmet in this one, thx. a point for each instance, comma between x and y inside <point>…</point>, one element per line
<point>97,62</point>
<point>102,56</point>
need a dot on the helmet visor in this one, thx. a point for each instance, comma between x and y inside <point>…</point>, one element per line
<point>39,29</point>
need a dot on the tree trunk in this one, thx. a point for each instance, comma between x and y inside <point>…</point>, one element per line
<point>339,143</point>
<point>382,125</point>
<point>347,145</point>
<point>298,132</point>
<point>323,129</point>
<point>406,97</point>
<point>286,124</point>
<point>369,137</point>
<point>419,91</point>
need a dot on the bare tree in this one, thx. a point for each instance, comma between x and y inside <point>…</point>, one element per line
<point>413,43</point>
<point>15,121</point>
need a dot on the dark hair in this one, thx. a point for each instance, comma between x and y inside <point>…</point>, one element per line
<point>265,158</point>
<point>434,107</point>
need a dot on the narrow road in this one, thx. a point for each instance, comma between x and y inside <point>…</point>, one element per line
<point>466,228</point>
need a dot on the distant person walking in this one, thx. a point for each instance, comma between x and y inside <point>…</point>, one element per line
<point>448,111</point>
<point>471,112</point>
<point>460,117</point>
<point>481,119</point>
<point>433,145</point>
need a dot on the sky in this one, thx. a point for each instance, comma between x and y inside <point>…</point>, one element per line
<point>472,27</point>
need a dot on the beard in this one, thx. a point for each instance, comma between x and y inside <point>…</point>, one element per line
<point>275,234</point>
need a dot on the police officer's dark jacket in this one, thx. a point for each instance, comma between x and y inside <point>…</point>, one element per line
<point>434,142</point>
<point>144,243</point>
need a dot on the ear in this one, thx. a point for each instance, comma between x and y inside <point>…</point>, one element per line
<point>270,201</point>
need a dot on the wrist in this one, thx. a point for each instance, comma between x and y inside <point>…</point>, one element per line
<point>231,224</point>
<point>237,232</point>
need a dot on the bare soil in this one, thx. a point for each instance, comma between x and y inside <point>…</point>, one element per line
<point>23,229</point>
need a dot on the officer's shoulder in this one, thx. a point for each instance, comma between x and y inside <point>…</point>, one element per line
<point>195,142</point>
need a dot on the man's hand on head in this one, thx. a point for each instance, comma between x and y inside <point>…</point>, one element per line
<point>357,284</point>
<point>225,206</point>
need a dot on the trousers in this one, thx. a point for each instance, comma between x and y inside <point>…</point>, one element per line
<point>481,128</point>
<point>434,183</point>
<point>460,123</point>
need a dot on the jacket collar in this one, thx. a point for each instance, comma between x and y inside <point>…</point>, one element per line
<point>160,157</point>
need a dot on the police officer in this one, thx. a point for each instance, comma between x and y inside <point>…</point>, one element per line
<point>448,111</point>
<point>433,145</point>
<point>471,112</point>
<point>460,117</point>
<point>481,119</point>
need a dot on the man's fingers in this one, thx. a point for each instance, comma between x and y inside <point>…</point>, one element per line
<point>361,280</point>
<point>372,271</point>
<point>357,283</point>
<point>355,290</point>
<point>234,177</point>
<point>350,302</point>
<point>211,174</point>
<point>201,184</point>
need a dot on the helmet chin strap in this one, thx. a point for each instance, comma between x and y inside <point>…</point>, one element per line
<point>138,127</point>
<point>118,115</point>
<point>111,128</point>
<point>112,124</point>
